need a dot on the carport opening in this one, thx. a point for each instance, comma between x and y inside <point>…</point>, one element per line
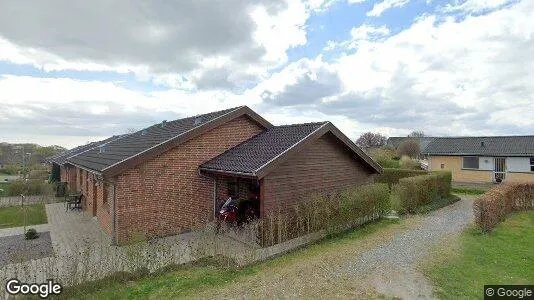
<point>238,200</point>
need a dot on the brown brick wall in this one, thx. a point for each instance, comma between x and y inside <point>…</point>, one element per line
<point>71,179</point>
<point>104,208</point>
<point>63,174</point>
<point>95,193</point>
<point>324,166</point>
<point>167,195</point>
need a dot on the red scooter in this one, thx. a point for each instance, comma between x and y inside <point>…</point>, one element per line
<point>234,212</point>
<point>228,212</point>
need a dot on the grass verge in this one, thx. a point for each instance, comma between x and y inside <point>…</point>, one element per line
<point>187,280</point>
<point>14,216</point>
<point>461,266</point>
<point>4,189</point>
<point>467,191</point>
<point>436,204</point>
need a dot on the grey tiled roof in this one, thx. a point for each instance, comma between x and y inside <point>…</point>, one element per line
<point>395,141</point>
<point>132,144</point>
<point>488,145</point>
<point>62,157</point>
<point>251,155</point>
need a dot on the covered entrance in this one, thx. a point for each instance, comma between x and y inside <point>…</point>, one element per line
<point>241,193</point>
<point>499,172</point>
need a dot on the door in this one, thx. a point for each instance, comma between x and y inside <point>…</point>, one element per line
<point>499,172</point>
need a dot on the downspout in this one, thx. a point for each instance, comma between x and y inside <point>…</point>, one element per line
<point>114,218</point>
<point>214,198</point>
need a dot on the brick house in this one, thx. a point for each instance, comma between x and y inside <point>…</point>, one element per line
<point>171,177</point>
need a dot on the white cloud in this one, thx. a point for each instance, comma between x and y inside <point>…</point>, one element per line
<point>161,41</point>
<point>475,6</point>
<point>366,31</point>
<point>448,76</point>
<point>380,7</point>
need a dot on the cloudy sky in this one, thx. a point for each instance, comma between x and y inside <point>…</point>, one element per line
<point>77,71</point>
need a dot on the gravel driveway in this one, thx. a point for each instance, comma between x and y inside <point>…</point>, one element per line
<point>384,263</point>
<point>391,267</point>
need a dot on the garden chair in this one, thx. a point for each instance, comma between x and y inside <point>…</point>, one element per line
<point>74,201</point>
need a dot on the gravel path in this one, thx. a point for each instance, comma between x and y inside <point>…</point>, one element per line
<point>17,249</point>
<point>391,267</point>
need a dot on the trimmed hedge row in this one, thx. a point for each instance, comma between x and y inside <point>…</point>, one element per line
<point>330,212</point>
<point>392,176</point>
<point>412,192</point>
<point>31,187</point>
<point>492,207</point>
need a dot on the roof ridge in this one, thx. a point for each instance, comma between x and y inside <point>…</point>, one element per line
<point>228,110</point>
<point>303,124</point>
<point>482,136</point>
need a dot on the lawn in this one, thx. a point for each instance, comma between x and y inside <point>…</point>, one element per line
<point>4,189</point>
<point>467,191</point>
<point>14,216</point>
<point>460,267</point>
<point>210,277</point>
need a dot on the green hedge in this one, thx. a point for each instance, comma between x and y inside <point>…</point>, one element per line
<point>413,192</point>
<point>392,176</point>
<point>32,187</point>
<point>331,212</point>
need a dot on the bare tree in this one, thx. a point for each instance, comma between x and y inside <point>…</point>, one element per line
<point>417,134</point>
<point>410,148</point>
<point>371,140</point>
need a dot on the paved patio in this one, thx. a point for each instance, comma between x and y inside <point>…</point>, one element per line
<point>83,251</point>
<point>73,228</point>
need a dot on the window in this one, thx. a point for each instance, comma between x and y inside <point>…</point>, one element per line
<point>442,166</point>
<point>532,164</point>
<point>470,162</point>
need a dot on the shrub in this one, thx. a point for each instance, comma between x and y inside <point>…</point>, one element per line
<point>409,163</point>
<point>31,234</point>
<point>60,189</point>
<point>16,188</point>
<point>412,192</point>
<point>331,212</point>
<point>410,148</point>
<point>384,157</point>
<point>492,207</point>
<point>32,187</point>
<point>392,176</point>
<point>38,174</point>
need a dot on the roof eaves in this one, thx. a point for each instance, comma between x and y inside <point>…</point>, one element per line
<point>86,168</point>
<point>220,171</point>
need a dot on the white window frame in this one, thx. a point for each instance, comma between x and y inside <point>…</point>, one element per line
<point>531,160</point>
